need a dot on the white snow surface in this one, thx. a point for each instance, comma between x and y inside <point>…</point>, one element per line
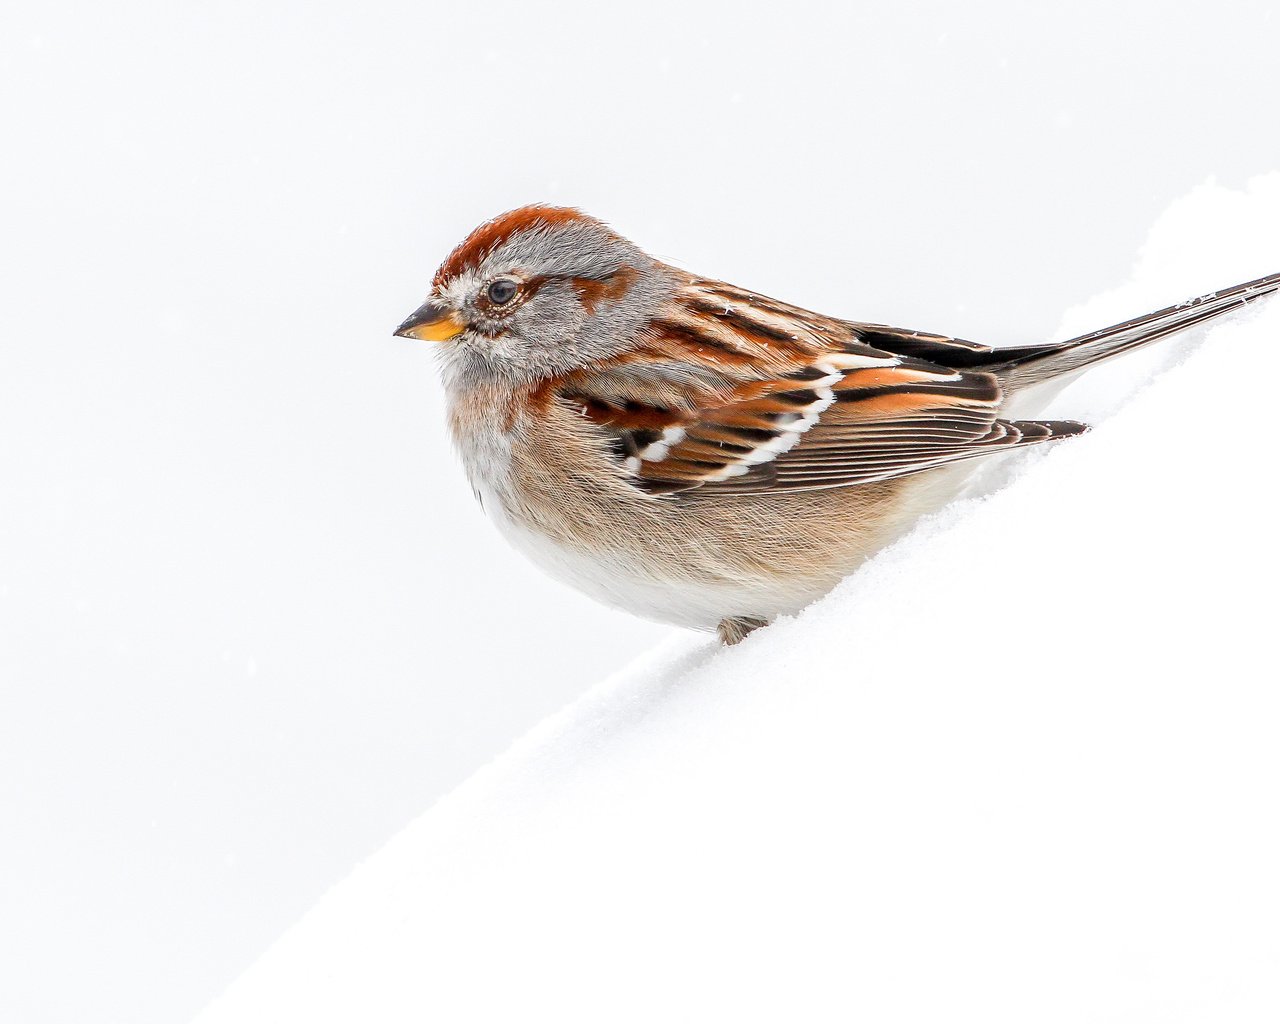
<point>1022,766</point>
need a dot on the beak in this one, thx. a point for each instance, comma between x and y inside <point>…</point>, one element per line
<point>431,322</point>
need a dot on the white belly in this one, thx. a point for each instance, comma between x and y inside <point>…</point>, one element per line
<point>621,580</point>
<point>688,563</point>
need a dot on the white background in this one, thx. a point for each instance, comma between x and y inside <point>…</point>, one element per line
<point>251,620</point>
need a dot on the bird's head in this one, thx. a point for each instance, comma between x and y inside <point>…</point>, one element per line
<point>537,292</point>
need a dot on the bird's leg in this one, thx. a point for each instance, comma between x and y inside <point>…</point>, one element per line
<point>736,629</point>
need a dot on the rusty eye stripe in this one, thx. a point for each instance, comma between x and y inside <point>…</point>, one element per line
<point>590,290</point>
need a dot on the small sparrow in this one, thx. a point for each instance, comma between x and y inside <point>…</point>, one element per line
<point>702,455</point>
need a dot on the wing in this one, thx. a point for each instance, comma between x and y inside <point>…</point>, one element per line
<point>732,391</point>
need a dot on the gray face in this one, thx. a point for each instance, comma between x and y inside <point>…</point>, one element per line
<point>548,298</point>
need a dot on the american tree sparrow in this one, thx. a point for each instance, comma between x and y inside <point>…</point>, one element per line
<point>700,454</point>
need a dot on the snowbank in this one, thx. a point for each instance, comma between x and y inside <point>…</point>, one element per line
<point>1023,766</point>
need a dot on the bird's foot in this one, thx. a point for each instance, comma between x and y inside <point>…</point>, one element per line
<point>735,630</point>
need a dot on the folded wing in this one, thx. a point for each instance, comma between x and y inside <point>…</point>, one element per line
<point>738,393</point>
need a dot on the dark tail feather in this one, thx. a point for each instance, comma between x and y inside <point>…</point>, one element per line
<point>1041,363</point>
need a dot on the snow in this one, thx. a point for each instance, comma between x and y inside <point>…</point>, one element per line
<point>1022,766</point>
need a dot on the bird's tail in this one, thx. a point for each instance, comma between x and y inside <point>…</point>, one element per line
<point>1041,363</point>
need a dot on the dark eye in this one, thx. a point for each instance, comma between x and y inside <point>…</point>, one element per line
<point>502,291</point>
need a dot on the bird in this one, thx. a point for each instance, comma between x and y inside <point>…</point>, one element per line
<point>700,454</point>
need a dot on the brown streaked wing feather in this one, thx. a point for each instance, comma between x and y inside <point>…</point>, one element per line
<point>737,392</point>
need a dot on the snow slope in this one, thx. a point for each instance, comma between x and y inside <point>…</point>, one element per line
<point>1023,766</point>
